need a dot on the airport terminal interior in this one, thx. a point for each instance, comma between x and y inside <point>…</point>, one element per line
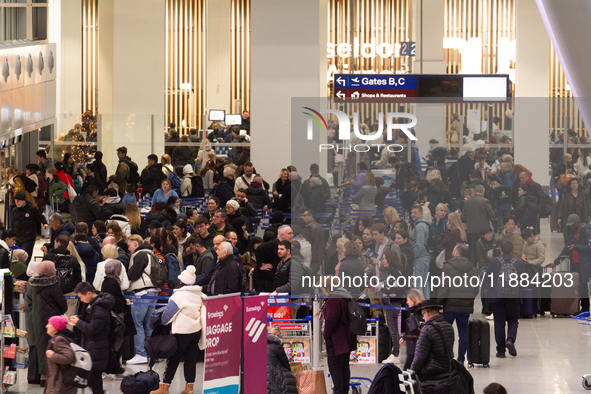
<point>342,110</point>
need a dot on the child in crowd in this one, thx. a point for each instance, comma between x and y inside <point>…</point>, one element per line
<point>129,194</point>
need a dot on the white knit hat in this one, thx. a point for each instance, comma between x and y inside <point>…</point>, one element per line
<point>234,204</point>
<point>188,275</point>
<point>187,169</point>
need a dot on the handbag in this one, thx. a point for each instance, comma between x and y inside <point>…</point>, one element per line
<point>71,193</point>
<point>440,259</point>
<point>338,157</point>
<point>310,382</point>
<point>459,380</point>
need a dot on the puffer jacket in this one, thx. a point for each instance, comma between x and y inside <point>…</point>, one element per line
<point>69,271</point>
<point>459,299</point>
<point>431,362</point>
<point>526,211</point>
<point>122,221</point>
<point>95,318</point>
<point>151,178</point>
<point>26,221</point>
<point>66,229</point>
<point>186,312</point>
<point>90,257</point>
<point>112,206</point>
<point>279,377</point>
<point>258,196</point>
<point>63,355</point>
<point>43,299</point>
<point>5,253</point>
<point>87,209</point>
<point>517,240</point>
<point>535,253</point>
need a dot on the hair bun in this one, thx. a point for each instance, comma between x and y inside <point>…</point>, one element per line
<point>191,269</point>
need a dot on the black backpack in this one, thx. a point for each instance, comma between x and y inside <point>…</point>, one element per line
<point>140,383</point>
<point>546,207</point>
<point>116,332</point>
<point>433,241</point>
<point>197,189</point>
<point>298,204</point>
<point>357,321</point>
<point>30,184</point>
<point>134,175</point>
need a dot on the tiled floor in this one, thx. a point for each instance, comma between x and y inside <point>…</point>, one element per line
<point>552,356</point>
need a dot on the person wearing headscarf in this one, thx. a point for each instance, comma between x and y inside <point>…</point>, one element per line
<point>43,299</point>
<point>18,265</point>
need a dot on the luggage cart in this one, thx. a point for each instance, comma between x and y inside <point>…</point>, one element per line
<point>297,337</point>
<point>584,320</point>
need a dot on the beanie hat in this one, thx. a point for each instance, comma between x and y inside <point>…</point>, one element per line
<point>46,268</point>
<point>20,255</point>
<point>20,196</point>
<point>234,204</point>
<point>187,169</point>
<point>188,275</point>
<point>58,322</point>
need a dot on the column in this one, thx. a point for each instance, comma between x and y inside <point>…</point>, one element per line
<point>286,52</point>
<point>131,75</point>
<point>532,79</point>
<point>219,23</point>
<point>427,32</point>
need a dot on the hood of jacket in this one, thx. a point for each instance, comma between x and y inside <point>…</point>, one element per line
<point>43,281</point>
<point>113,200</point>
<point>340,292</point>
<point>422,219</point>
<point>517,231</point>
<point>85,250</point>
<point>67,226</point>
<point>272,338</point>
<point>461,264</point>
<point>104,300</point>
<point>195,290</point>
<point>537,240</point>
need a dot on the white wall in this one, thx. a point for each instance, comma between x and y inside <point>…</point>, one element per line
<point>285,54</point>
<point>532,89</point>
<point>219,23</point>
<point>131,94</point>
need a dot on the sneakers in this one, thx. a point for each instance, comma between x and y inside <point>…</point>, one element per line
<point>511,347</point>
<point>137,359</point>
<point>392,360</point>
<point>500,355</point>
<point>490,317</point>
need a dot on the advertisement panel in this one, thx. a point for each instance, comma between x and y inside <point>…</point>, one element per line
<point>255,344</point>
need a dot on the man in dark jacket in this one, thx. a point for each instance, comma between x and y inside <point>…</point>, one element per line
<point>25,222</point>
<point>201,230</point>
<point>458,301</point>
<point>535,189</point>
<point>226,277</point>
<point>404,171</point>
<point>225,190</point>
<point>198,256</point>
<point>100,170</point>
<point>432,354</point>
<point>219,223</point>
<point>151,176</point>
<point>315,172</point>
<point>316,234</point>
<point>58,227</point>
<point>123,171</point>
<point>112,205</point>
<point>257,194</point>
<point>458,172</point>
<point>478,213</point>
<point>94,320</point>
<point>268,259</point>
<point>289,273</point>
<point>87,207</point>
<point>504,296</point>
<point>88,254</point>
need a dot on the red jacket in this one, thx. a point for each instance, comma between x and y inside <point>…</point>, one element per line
<point>66,179</point>
<point>336,323</point>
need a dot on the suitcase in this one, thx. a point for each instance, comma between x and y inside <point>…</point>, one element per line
<point>565,299</point>
<point>527,309</point>
<point>554,217</point>
<point>478,343</point>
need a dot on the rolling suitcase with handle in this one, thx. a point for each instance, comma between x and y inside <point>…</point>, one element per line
<point>565,294</point>
<point>478,343</point>
<point>527,309</point>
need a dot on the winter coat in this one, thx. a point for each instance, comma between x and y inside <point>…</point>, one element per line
<point>431,360</point>
<point>99,276</point>
<point>57,191</point>
<point>87,209</point>
<point>458,173</point>
<point>66,179</point>
<point>258,196</point>
<point>478,213</point>
<point>526,211</point>
<point>505,184</point>
<point>151,178</point>
<point>18,185</point>
<point>227,277</point>
<point>161,216</point>
<point>5,254</point>
<point>316,199</point>
<point>122,221</point>
<point>63,355</point>
<point>94,322</point>
<point>458,299</point>
<point>279,377</point>
<point>113,206</point>
<point>482,248</point>
<point>534,253</point>
<point>336,322</point>
<point>517,240</point>
<point>451,237</point>
<point>182,155</point>
<point>121,174</point>
<point>185,311</point>
<point>100,171</point>
<point>288,278</point>
<point>225,191</point>
<point>69,271</point>
<point>351,267</point>
<point>366,196</point>
<point>139,269</point>
<point>90,257</point>
<point>493,270</point>
<point>43,299</point>
<point>419,235</point>
<point>25,222</point>
<point>66,229</point>
<point>563,209</point>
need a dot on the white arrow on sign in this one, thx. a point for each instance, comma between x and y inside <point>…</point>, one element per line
<point>340,95</point>
<point>341,80</point>
<point>355,95</point>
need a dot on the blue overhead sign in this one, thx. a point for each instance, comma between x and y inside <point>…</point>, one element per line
<point>373,81</point>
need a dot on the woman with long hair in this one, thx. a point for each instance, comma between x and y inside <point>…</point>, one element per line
<point>361,224</point>
<point>414,300</point>
<point>209,171</point>
<point>132,213</point>
<point>114,230</point>
<point>180,231</point>
<point>167,167</point>
<point>282,183</point>
<point>391,217</point>
<point>455,234</point>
